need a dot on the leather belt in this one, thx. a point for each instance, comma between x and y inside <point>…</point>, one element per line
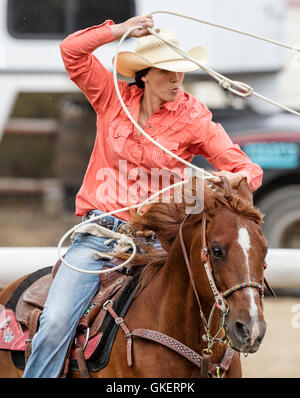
<point>106,222</point>
<point>122,228</point>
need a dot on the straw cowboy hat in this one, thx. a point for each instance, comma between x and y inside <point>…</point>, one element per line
<point>153,52</point>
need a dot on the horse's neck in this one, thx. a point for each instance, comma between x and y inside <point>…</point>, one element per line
<point>171,305</point>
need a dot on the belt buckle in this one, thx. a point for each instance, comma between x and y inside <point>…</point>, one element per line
<point>127,229</point>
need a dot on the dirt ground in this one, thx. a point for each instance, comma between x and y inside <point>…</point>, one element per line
<point>279,355</point>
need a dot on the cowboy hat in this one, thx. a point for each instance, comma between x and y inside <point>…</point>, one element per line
<point>153,52</point>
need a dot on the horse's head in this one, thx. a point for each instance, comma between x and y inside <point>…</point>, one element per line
<point>236,251</point>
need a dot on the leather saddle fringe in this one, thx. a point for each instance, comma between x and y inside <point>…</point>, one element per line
<point>33,324</point>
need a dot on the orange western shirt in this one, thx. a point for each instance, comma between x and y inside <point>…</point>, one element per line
<point>123,162</point>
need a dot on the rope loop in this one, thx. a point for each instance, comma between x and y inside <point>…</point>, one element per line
<point>242,89</point>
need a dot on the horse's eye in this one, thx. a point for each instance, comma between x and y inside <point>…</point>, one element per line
<point>217,251</point>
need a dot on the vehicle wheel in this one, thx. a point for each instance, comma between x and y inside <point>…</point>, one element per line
<point>281,224</point>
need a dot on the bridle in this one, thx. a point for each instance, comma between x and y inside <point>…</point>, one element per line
<point>219,297</point>
<point>202,361</point>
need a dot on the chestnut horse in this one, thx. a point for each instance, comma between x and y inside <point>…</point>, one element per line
<point>202,293</point>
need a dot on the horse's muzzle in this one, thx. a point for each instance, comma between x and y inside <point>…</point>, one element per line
<point>245,336</point>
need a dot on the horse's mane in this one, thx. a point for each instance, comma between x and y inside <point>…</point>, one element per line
<point>164,220</point>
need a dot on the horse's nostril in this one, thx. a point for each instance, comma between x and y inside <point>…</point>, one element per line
<point>259,339</point>
<point>242,330</point>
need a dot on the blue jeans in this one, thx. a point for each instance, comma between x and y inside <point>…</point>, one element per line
<point>69,296</point>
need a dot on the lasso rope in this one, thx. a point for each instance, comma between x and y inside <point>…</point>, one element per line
<point>277,43</point>
<point>238,88</point>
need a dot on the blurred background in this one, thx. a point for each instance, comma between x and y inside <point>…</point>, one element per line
<point>47,131</point>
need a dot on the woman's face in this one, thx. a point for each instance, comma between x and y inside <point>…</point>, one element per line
<point>163,84</point>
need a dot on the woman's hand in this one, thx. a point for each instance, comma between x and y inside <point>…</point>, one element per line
<point>145,21</point>
<point>233,178</point>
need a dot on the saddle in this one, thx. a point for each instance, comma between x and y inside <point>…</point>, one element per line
<point>94,335</point>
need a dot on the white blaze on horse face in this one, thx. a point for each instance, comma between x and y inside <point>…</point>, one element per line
<point>244,242</point>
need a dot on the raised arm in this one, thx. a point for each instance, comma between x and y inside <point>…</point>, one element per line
<point>85,69</point>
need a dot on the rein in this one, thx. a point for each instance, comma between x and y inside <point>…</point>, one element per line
<point>201,361</point>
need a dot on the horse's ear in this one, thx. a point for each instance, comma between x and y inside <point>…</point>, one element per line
<point>244,191</point>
